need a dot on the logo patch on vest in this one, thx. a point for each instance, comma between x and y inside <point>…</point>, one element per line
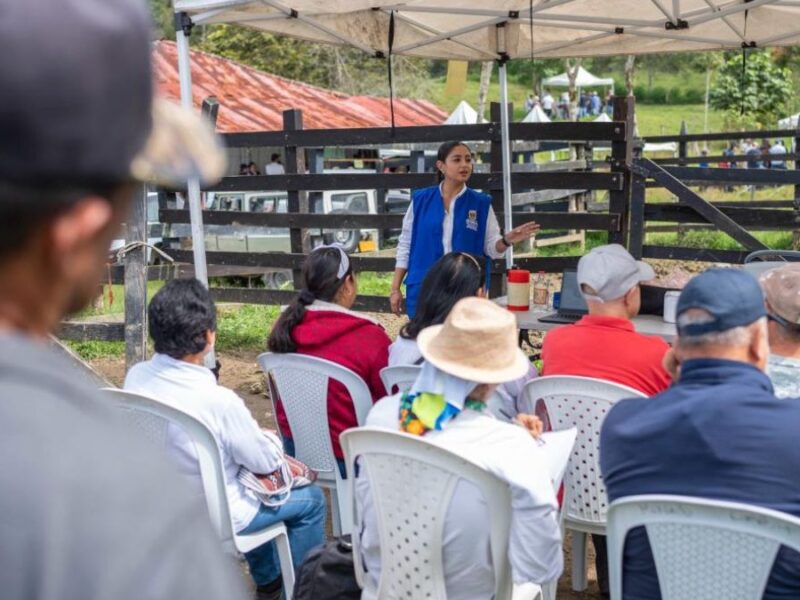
<point>472,220</point>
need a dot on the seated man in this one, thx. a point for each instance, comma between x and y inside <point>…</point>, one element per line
<point>182,320</point>
<point>719,432</point>
<point>782,293</point>
<point>447,405</point>
<point>603,344</point>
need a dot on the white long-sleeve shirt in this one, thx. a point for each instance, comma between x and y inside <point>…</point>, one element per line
<point>507,451</point>
<point>240,439</point>
<point>490,239</point>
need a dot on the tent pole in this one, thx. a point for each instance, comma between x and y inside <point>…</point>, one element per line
<point>193,185</point>
<point>506,147</point>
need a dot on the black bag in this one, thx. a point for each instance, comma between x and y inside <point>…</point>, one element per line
<point>327,573</point>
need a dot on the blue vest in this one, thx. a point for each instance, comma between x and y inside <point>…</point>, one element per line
<point>471,211</point>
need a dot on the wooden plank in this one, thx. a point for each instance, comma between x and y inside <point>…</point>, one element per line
<point>730,135</point>
<point>551,264</point>
<point>711,213</point>
<point>593,221</point>
<point>542,196</point>
<point>730,176</point>
<point>701,254</point>
<point>362,181</point>
<point>295,163</point>
<point>717,158</point>
<point>760,219</point>
<point>282,297</point>
<point>637,215</point>
<point>381,136</point>
<point>83,331</point>
<point>136,283</point>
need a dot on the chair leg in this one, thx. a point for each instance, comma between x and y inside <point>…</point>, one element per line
<point>287,567</point>
<point>579,579</point>
<point>336,523</point>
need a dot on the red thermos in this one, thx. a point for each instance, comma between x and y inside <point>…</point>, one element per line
<point>519,289</point>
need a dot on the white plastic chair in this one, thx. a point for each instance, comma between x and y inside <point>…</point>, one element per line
<point>412,481</point>
<point>703,549</point>
<point>151,417</point>
<point>302,385</point>
<point>580,402</point>
<point>402,376</point>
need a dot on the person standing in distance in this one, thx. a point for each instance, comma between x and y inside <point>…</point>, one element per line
<point>88,509</point>
<point>449,217</point>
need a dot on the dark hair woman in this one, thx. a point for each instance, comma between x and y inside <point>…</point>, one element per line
<point>320,323</point>
<point>455,276</point>
<point>445,218</point>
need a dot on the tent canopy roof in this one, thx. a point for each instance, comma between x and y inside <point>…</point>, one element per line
<point>536,115</point>
<point>583,79</point>
<point>463,114</point>
<point>468,29</point>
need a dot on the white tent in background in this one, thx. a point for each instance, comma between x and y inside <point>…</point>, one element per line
<point>603,118</point>
<point>463,114</point>
<point>475,30</point>
<point>537,115</point>
<point>583,79</point>
<point>789,122</point>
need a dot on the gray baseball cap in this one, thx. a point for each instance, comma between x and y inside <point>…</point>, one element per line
<point>76,100</point>
<point>611,271</point>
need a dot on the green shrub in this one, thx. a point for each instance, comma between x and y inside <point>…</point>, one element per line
<point>694,96</point>
<point>675,96</point>
<point>658,95</point>
<point>640,92</point>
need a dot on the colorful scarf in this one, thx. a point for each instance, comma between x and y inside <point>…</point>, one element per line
<point>435,398</point>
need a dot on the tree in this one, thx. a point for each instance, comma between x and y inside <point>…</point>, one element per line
<point>573,66</point>
<point>483,89</point>
<point>757,96</point>
<point>630,69</point>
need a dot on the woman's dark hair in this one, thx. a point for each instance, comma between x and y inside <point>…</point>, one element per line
<point>180,315</point>
<point>444,151</point>
<point>320,282</point>
<point>455,276</point>
<point>274,157</point>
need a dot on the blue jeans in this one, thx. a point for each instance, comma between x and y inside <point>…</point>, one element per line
<point>288,448</point>
<point>304,516</point>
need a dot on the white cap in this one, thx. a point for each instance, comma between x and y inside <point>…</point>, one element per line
<point>611,271</point>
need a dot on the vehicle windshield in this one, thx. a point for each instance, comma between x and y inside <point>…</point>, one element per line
<point>353,203</point>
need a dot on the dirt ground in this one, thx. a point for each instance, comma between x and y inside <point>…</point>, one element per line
<point>241,373</point>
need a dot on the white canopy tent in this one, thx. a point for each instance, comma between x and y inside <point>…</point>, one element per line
<point>537,115</point>
<point>582,79</point>
<point>463,114</point>
<point>507,29</point>
<point>789,122</point>
<point>603,118</point>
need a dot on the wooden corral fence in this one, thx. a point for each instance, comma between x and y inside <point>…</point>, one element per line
<point>623,176</point>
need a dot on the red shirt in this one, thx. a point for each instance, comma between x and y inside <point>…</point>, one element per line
<point>351,340</point>
<point>607,348</point>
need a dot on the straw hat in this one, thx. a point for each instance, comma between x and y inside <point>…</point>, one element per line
<point>477,342</point>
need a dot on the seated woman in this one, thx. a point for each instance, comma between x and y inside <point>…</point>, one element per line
<point>465,358</point>
<point>455,276</point>
<point>320,323</point>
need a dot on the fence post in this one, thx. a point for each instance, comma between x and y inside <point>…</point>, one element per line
<point>316,165</point>
<point>295,163</point>
<point>497,281</point>
<point>683,145</point>
<point>638,198</point>
<point>621,156</point>
<point>796,233</point>
<point>136,283</point>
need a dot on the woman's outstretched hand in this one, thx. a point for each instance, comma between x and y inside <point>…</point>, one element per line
<point>522,232</point>
<point>396,301</point>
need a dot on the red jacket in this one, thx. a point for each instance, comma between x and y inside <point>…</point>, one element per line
<point>351,340</point>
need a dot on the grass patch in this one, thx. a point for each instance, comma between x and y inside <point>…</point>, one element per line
<point>93,350</point>
<point>714,240</point>
<point>244,326</point>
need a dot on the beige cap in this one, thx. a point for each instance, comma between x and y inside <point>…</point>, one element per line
<point>782,292</point>
<point>477,342</point>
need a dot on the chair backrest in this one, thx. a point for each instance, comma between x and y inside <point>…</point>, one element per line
<point>580,402</point>
<point>703,549</point>
<point>402,376</point>
<point>151,417</point>
<point>412,482</point>
<point>302,385</point>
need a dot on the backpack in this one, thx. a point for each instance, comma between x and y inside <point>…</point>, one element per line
<point>327,573</point>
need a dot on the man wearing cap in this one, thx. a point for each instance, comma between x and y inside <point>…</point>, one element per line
<point>782,295</point>
<point>604,344</point>
<point>87,509</point>
<point>718,432</point>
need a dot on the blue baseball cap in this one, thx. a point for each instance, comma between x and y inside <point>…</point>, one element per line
<point>732,297</point>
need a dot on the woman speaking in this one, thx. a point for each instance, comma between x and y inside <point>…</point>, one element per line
<point>449,217</point>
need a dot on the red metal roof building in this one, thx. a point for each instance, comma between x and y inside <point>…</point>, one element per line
<point>252,100</point>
